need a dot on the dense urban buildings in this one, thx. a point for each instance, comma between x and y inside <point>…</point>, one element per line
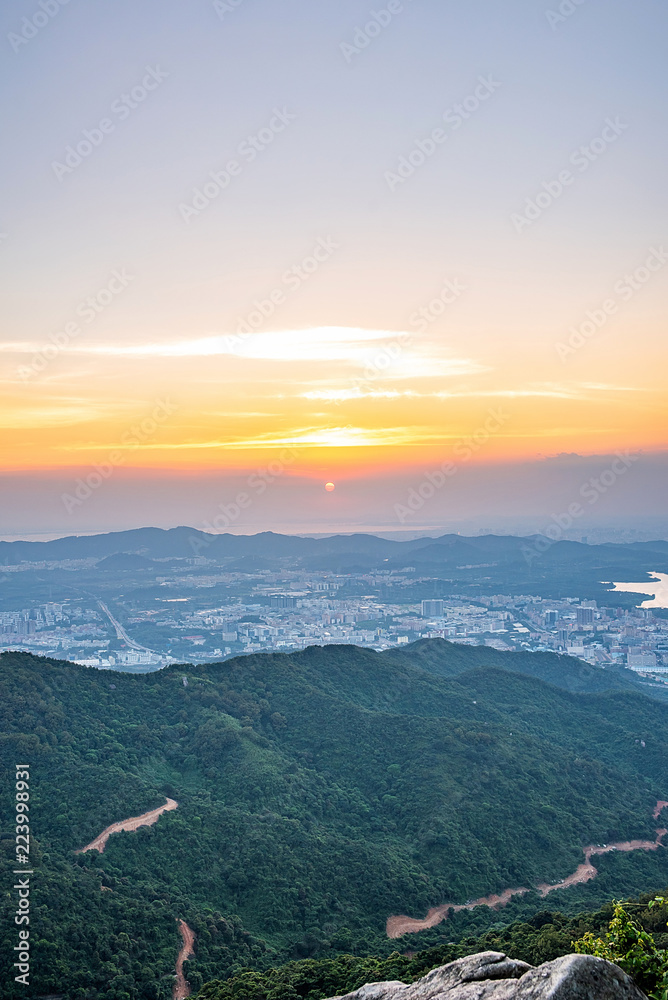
<point>176,620</point>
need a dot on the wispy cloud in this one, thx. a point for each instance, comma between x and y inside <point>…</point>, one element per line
<point>347,345</point>
<point>321,343</point>
<point>50,416</point>
<point>581,390</point>
<point>306,437</point>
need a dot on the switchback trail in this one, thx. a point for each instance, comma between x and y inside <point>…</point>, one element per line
<point>133,823</point>
<point>397,926</point>
<point>182,986</point>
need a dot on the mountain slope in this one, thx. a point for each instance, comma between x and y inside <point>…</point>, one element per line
<point>318,793</point>
<point>445,659</point>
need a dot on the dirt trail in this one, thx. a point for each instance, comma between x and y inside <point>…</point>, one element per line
<point>133,823</point>
<point>397,926</point>
<point>182,986</point>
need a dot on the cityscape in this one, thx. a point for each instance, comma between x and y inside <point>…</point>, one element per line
<point>333,533</point>
<point>175,620</point>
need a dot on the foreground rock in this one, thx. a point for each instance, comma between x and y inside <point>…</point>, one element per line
<point>493,976</point>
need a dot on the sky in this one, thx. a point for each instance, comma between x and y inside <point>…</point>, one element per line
<point>411,249</point>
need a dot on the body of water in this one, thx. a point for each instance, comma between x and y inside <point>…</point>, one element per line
<point>657,588</point>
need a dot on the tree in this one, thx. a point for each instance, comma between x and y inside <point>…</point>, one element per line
<point>633,949</point>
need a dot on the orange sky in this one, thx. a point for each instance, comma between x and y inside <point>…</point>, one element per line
<point>311,304</point>
<point>342,398</point>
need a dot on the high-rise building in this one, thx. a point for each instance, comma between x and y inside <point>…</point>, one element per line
<point>432,609</point>
<point>283,601</point>
<point>585,616</point>
<point>551,617</point>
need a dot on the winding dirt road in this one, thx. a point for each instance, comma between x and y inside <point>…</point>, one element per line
<point>182,986</point>
<point>397,926</point>
<point>133,823</point>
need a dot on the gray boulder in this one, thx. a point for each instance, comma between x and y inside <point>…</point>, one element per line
<point>491,975</point>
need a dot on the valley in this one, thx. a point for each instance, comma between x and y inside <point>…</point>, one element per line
<point>398,926</point>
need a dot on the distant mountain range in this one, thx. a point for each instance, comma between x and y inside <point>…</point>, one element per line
<point>318,793</point>
<point>519,565</point>
<point>332,552</point>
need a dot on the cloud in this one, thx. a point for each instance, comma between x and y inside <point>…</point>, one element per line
<point>350,345</point>
<point>316,344</point>
<point>39,417</point>
<point>304,437</point>
<point>460,367</point>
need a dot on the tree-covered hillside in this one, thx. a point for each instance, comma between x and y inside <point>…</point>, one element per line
<point>545,936</point>
<point>319,793</point>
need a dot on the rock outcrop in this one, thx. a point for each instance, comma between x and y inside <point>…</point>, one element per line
<point>491,975</point>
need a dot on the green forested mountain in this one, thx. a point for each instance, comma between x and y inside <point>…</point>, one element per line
<point>544,937</point>
<point>319,793</point>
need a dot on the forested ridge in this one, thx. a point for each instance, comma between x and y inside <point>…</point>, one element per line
<point>319,793</point>
<point>545,936</point>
